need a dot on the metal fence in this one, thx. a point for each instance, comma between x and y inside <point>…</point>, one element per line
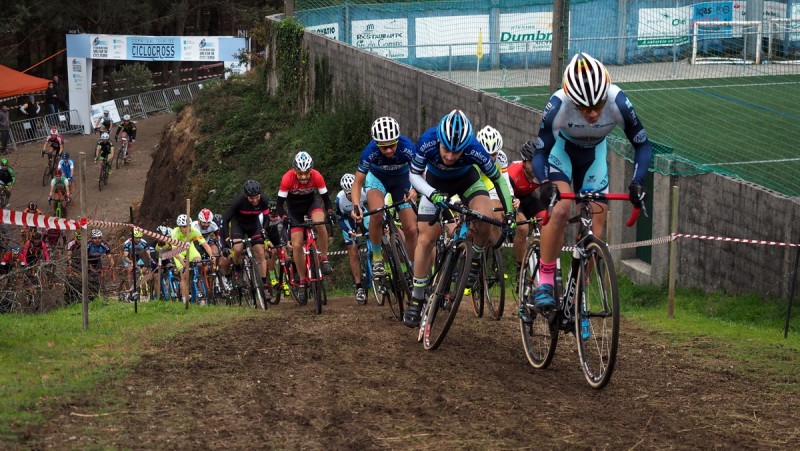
<point>69,122</point>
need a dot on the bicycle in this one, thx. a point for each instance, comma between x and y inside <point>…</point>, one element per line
<point>451,277</point>
<point>250,288</point>
<point>364,247</point>
<point>122,156</point>
<point>170,284</point>
<point>198,285</point>
<point>313,267</point>
<point>59,207</point>
<point>220,286</point>
<point>142,293</point>
<point>489,289</point>
<point>287,281</point>
<point>50,168</point>
<point>395,287</point>
<point>588,306</point>
<point>105,168</point>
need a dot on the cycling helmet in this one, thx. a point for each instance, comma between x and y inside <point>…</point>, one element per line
<point>303,161</point>
<point>65,156</point>
<point>137,233</point>
<point>4,162</point>
<point>252,188</point>
<point>182,221</point>
<point>347,182</point>
<point>97,233</point>
<point>33,206</point>
<point>205,215</point>
<point>490,139</point>
<point>53,131</point>
<point>105,112</point>
<point>454,131</point>
<point>127,117</point>
<point>78,235</point>
<point>164,230</point>
<point>218,219</point>
<point>527,151</point>
<point>58,173</point>
<point>385,129</point>
<point>586,80</point>
<point>15,249</point>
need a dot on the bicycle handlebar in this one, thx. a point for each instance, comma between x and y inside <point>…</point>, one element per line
<point>587,196</point>
<point>386,207</point>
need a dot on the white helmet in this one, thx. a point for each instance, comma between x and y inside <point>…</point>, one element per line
<point>347,182</point>
<point>303,161</point>
<point>586,80</point>
<point>105,136</point>
<point>164,230</point>
<point>53,131</point>
<point>491,140</point>
<point>385,129</point>
<point>205,215</point>
<point>96,233</point>
<point>127,117</point>
<point>182,220</point>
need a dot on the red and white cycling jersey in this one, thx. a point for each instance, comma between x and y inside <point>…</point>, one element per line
<point>520,184</point>
<point>56,141</point>
<point>291,186</point>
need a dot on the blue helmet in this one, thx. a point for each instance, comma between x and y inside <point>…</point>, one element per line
<point>454,131</point>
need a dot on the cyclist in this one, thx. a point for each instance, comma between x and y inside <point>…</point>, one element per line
<point>298,189</point>
<point>273,226</point>
<point>571,154</point>
<point>32,207</point>
<point>104,122</point>
<point>528,205</point>
<point>96,249</point>
<point>161,248</point>
<point>54,144</point>
<point>383,169</point>
<point>182,232</point>
<point>137,247</point>
<point>209,229</point>
<point>11,258</point>
<point>344,209</point>
<point>7,177</point>
<point>492,141</point>
<point>104,151</point>
<point>129,127</point>
<point>454,160</point>
<point>243,218</point>
<point>34,251</point>
<point>59,188</point>
<point>66,165</point>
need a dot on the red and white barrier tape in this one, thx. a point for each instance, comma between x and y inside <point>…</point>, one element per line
<point>734,240</point>
<point>42,221</point>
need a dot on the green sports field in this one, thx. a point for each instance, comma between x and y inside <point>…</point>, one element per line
<point>747,127</point>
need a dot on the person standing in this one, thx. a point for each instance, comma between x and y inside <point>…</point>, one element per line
<point>5,129</point>
<point>63,105</point>
<point>30,110</point>
<point>51,96</point>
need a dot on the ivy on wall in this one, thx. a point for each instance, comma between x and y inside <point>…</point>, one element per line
<point>291,62</point>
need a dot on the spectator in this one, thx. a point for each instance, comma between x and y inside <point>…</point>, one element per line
<point>52,98</point>
<point>5,129</point>
<point>30,110</point>
<point>63,105</point>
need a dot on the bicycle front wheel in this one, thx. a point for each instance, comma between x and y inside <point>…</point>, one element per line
<point>446,297</point>
<point>257,287</point>
<point>597,315</point>
<point>277,288</point>
<point>317,290</point>
<point>540,337</point>
<point>120,157</point>
<point>494,283</point>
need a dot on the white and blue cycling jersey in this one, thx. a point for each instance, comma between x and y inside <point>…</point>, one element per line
<point>344,207</point>
<point>67,166</point>
<point>374,161</point>
<point>135,249</point>
<point>568,147</point>
<point>427,156</point>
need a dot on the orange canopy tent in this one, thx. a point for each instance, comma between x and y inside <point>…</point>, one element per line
<point>13,83</point>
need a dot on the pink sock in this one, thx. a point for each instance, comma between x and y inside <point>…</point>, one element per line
<point>547,272</point>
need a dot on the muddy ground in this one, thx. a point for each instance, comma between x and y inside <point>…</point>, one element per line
<point>354,379</point>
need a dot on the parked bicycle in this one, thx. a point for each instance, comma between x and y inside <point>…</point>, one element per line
<point>395,287</point>
<point>451,277</point>
<point>587,306</point>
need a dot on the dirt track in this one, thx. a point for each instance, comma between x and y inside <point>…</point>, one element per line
<point>354,379</point>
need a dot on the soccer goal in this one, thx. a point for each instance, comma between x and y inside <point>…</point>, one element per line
<point>726,42</point>
<point>784,41</point>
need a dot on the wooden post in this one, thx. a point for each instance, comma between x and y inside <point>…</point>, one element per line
<point>188,239</point>
<point>84,243</point>
<point>134,259</point>
<point>673,254</point>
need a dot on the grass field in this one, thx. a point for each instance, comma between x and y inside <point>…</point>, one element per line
<point>746,127</point>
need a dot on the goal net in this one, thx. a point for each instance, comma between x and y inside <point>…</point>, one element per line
<point>784,41</point>
<point>726,42</point>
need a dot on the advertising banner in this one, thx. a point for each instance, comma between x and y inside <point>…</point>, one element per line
<point>450,35</point>
<point>663,26</point>
<point>531,31</point>
<point>329,30</point>
<point>198,48</point>
<point>110,47</point>
<point>389,35</point>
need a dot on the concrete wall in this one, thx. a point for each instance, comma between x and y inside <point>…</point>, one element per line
<point>709,204</point>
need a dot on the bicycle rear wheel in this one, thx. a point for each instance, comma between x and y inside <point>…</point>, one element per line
<point>494,283</point>
<point>446,297</point>
<point>317,290</point>
<point>277,288</point>
<point>597,315</point>
<point>477,292</point>
<point>540,337</point>
<point>401,269</point>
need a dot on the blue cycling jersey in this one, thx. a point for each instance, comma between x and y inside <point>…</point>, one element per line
<point>372,160</point>
<point>561,120</point>
<point>427,156</point>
